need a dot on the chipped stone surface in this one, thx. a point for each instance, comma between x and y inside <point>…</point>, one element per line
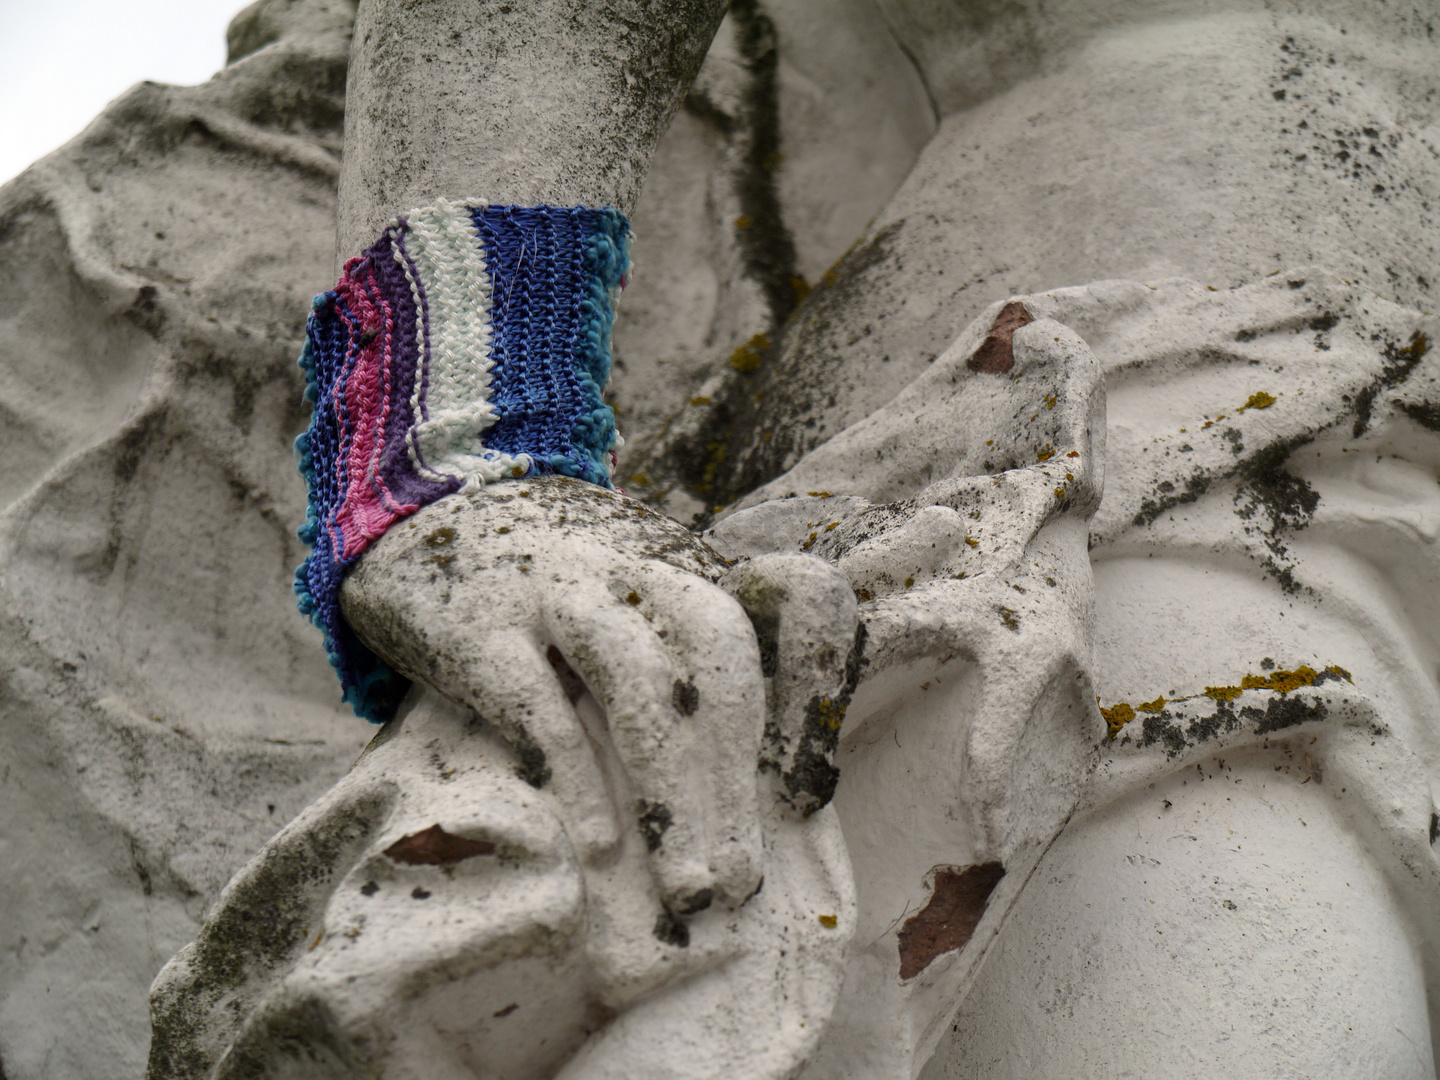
<point>492,899</point>
<point>1092,563</point>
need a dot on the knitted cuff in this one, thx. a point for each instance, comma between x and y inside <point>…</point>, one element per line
<point>470,343</point>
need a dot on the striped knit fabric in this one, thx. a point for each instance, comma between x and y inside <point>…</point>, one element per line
<point>469,344</point>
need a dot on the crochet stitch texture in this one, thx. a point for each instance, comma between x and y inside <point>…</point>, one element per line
<point>469,344</point>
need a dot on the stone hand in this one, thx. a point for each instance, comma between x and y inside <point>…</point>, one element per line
<point>589,632</point>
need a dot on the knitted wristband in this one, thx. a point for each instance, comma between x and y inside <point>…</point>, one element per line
<point>469,344</point>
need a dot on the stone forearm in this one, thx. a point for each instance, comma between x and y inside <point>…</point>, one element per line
<point>549,101</point>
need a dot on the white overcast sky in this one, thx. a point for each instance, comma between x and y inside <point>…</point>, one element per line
<point>64,59</point>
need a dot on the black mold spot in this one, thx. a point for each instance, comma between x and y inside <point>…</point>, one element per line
<point>654,818</point>
<point>685,697</point>
<point>672,931</point>
<point>533,768</point>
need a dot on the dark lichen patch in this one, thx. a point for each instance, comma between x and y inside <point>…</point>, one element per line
<point>1284,712</point>
<point>685,696</point>
<point>1009,618</point>
<point>855,664</point>
<point>269,915</point>
<point>996,354</point>
<point>369,889</point>
<point>670,930</point>
<point>1166,498</point>
<point>811,780</point>
<point>654,819</point>
<point>1434,827</point>
<point>1399,362</point>
<point>1223,719</point>
<point>948,920</point>
<point>1162,729</point>
<point>441,537</point>
<point>1207,727</point>
<point>1424,413</point>
<point>436,847</point>
<point>418,893</point>
<point>500,1014</point>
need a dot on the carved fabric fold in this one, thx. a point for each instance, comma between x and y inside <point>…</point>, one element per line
<point>469,344</point>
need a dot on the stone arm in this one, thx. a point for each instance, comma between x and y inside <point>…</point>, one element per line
<point>549,101</point>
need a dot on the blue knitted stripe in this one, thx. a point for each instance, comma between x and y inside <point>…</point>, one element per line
<point>368,685</point>
<point>524,328</point>
<point>554,272</point>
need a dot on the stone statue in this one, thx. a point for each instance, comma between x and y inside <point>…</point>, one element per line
<point>1109,602</point>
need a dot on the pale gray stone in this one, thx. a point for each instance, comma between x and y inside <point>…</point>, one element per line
<point>1229,870</point>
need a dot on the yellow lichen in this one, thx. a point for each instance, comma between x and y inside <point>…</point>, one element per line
<point>1222,693</point>
<point>828,921</point>
<point>1046,454</point>
<point>1285,681</point>
<point>1117,716</point>
<point>819,494</point>
<point>699,399</point>
<point>1059,493</point>
<point>1050,401</point>
<point>1152,706</point>
<point>1258,400</point>
<point>744,221</point>
<point>748,357</point>
<point>972,543</point>
<point>832,525</point>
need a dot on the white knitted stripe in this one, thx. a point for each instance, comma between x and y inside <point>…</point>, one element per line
<point>416,459</point>
<point>455,409</point>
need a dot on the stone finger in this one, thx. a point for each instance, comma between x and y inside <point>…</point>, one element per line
<point>721,698</point>
<point>629,672</point>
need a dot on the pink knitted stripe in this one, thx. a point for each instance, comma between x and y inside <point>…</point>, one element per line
<point>368,509</point>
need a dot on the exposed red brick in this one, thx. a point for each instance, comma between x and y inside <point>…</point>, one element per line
<point>435,847</point>
<point>945,923</point>
<point>995,355</point>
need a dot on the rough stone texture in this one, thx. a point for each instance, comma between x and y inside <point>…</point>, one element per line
<point>456,93</point>
<point>1111,162</point>
<point>557,876</point>
<point>1250,601</point>
<point>162,706</point>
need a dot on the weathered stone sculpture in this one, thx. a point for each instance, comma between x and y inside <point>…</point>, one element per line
<point>1138,771</point>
